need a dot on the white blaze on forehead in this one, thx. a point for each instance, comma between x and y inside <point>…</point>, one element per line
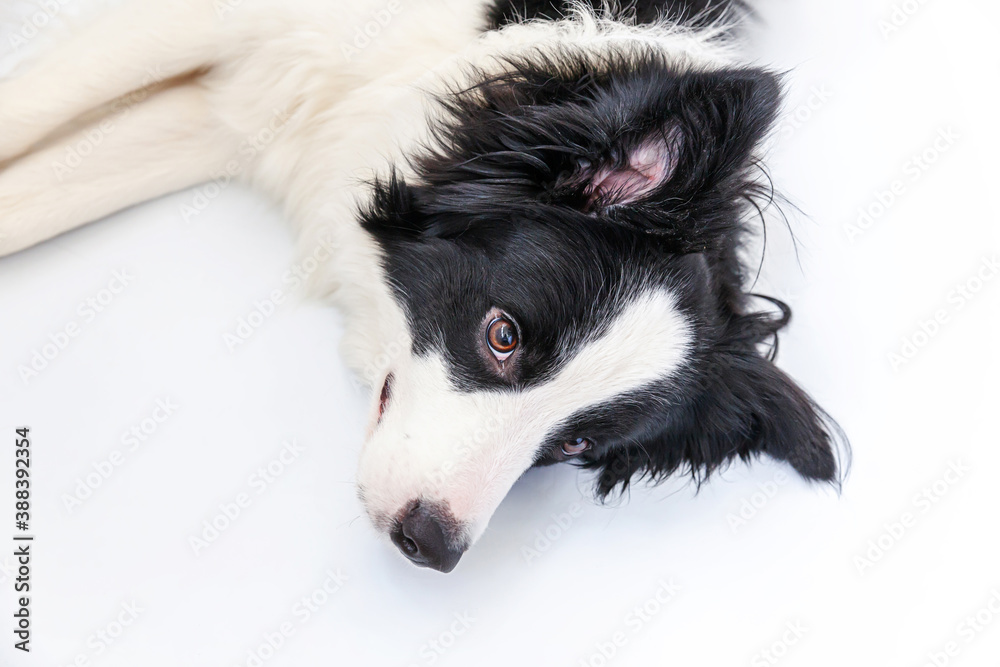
<point>467,449</point>
<point>647,341</point>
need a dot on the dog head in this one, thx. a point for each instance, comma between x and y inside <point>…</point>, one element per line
<point>567,260</point>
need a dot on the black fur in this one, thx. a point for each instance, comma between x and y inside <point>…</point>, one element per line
<point>690,12</point>
<point>500,217</point>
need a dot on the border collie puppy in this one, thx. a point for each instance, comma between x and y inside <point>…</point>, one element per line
<point>536,212</point>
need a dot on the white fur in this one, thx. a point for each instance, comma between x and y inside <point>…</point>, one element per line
<point>466,449</point>
<point>212,74</point>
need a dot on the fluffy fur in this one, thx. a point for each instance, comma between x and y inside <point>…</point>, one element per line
<point>584,178</point>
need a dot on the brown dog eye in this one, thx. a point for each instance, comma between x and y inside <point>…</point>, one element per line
<point>501,336</point>
<point>575,447</point>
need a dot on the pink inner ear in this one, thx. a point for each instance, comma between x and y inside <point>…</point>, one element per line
<point>651,164</point>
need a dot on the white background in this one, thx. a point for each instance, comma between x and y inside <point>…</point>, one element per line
<point>860,105</point>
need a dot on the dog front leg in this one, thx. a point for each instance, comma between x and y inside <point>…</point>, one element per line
<point>166,142</point>
<point>135,46</point>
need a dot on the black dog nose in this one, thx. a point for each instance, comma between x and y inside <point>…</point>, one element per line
<point>423,537</point>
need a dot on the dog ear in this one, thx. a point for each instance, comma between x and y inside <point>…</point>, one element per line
<point>636,144</point>
<point>687,177</point>
<point>643,169</point>
<point>743,406</point>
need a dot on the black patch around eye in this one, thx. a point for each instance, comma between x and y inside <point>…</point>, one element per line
<point>562,289</point>
<point>563,285</point>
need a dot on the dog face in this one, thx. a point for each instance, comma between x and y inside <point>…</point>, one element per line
<point>567,259</point>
